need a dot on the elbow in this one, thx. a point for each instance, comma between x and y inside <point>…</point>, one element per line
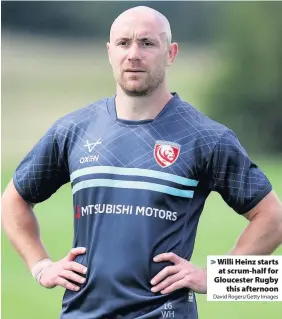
<point>280,227</point>
<point>12,202</point>
<point>276,221</point>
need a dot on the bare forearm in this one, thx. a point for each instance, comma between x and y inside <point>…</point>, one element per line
<point>262,236</point>
<point>21,227</point>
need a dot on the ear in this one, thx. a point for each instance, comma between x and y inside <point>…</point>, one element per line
<point>109,52</point>
<point>172,53</point>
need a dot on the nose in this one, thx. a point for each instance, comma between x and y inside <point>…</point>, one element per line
<point>134,52</point>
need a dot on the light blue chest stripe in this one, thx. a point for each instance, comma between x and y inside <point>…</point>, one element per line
<point>131,185</point>
<point>133,172</point>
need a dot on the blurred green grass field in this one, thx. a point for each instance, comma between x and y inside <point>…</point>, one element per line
<point>42,81</point>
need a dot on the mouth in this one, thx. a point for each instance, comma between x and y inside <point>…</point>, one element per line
<point>134,71</point>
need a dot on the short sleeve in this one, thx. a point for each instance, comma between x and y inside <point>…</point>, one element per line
<point>234,176</point>
<point>44,169</point>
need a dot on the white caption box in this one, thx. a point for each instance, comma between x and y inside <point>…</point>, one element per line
<point>244,278</point>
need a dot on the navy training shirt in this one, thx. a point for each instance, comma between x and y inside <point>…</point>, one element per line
<point>139,188</point>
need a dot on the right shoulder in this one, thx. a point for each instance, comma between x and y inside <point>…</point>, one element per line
<point>82,115</point>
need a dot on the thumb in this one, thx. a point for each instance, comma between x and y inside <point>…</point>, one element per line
<point>74,252</point>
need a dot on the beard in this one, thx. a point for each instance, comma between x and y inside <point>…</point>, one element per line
<point>136,85</point>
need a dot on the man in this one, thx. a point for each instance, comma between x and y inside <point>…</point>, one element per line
<point>141,165</point>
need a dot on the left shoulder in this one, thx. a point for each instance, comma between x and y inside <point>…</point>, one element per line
<point>201,125</point>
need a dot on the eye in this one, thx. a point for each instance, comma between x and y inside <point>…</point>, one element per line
<point>123,43</point>
<point>147,44</point>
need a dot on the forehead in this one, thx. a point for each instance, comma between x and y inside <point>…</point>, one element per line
<point>136,28</point>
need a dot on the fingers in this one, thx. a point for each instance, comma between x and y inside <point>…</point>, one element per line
<point>75,252</point>
<point>168,257</point>
<point>66,272</point>
<point>60,281</point>
<point>72,276</point>
<point>175,286</point>
<point>167,271</point>
<point>167,282</point>
<point>172,277</point>
<point>70,270</point>
<point>74,266</point>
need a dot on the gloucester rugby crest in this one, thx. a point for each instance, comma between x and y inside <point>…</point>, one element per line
<point>166,153</point>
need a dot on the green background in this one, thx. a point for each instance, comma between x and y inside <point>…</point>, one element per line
<point>45,77</point>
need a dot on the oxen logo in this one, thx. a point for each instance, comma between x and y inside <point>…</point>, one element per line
<point>166,153</point>
<point>91,146</point>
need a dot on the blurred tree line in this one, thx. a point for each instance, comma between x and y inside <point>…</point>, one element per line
<point>93,19</point>
<point>247,96</point>
<point>247,93</point>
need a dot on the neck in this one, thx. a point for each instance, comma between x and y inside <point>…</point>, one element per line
<point>141,107</point>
